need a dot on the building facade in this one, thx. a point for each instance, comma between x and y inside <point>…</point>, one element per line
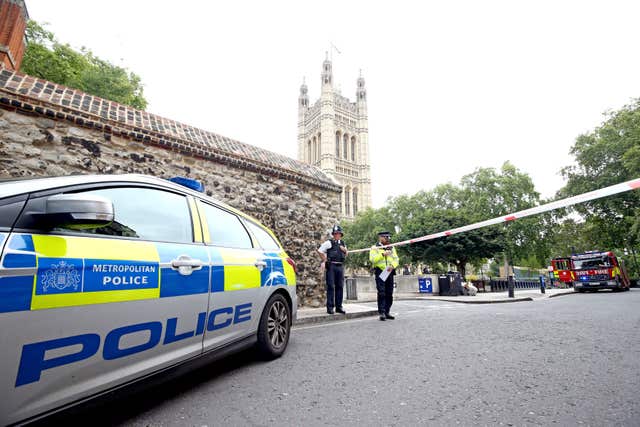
<point>13,22</point>
<point>333,135</point>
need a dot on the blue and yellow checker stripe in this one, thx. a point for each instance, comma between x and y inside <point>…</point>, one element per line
<point>57,257</point>
<point>19,257</point>
<point>46,271</point>
<point>173,283</point>
<point>240,271</point>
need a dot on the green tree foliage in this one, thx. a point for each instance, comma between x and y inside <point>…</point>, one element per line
<point>608,155</point>
<point>458,249</point>
<point>442,209</point>
<point>363,233</point>
<point>571,236</point>
<point>482,195</point>
<point>47,58</point>
<point>491,193</point>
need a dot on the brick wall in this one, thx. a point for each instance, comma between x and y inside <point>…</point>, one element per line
<point>13,21</point>
<point>50,130</point>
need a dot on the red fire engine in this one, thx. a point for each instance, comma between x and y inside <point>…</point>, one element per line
<point>598,270</point>
<point>561,270</point>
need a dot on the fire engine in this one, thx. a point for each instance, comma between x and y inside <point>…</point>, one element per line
<point>598,270</point>
<point>561,270</point>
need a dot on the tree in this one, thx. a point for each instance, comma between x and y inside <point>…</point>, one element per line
<point>363,233</point>
<point>489,194</point>
<point>608,155</point>
<point>458,249</point>
<point>442,209</point>
<point>47,58</point>
<point>571,236</point>
<point>484,194</point>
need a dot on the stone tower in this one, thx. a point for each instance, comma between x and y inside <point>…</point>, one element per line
<point>333,134</point>
<point>13,21</point>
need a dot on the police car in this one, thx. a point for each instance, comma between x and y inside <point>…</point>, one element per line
<point>108,279</point>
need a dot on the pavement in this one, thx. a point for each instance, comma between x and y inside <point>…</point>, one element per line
<point>356,309</point>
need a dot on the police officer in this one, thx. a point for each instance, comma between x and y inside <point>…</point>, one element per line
<point>384,261</point>
<point>333,253</point>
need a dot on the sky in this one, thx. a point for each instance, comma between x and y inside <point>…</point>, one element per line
<point>451,85</point>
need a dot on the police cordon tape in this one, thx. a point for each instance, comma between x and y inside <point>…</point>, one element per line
<point>634,184</point>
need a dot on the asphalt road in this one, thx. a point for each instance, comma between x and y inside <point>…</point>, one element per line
<point>570,360</point>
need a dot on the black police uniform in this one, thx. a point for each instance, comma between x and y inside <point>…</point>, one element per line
<point>335,275</point>
<point>385,290</point>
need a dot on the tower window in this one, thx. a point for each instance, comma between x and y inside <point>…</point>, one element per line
<point>314,150</point>
<point>355,201</point>
<point>353,151</point>
<point>347,208</point>
<point>337,144</point>
<point>345,146</point>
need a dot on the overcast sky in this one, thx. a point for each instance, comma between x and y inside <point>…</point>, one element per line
<point>452,85</point>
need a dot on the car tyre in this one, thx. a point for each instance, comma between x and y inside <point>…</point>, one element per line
<point>274,328</point>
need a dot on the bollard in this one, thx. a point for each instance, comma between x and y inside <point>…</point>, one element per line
<point>510,286</point>
<point>542,284</point>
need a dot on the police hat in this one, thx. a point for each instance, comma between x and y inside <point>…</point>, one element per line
<point>337,229</point>
<point>384,234</point>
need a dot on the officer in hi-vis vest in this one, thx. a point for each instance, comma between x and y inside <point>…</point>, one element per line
<point>333,253</point>
<point>384,261</point>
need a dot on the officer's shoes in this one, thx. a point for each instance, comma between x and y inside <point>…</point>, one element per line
<point>383,317</point>
<point>329,311</point>
<point>390,317</point>
<point>340,310</point>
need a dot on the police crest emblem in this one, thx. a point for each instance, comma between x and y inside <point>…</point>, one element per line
<point>61,276</point>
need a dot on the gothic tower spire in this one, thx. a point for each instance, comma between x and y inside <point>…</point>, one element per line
<point>303,107</point>
<point>304,97</point>
<point>361,93</point>
<point>327,74</point>
<point>333,136</point>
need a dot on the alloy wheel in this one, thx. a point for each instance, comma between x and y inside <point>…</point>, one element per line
<point>277,324</point>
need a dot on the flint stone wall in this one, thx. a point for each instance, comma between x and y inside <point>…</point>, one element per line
<point>298,207</point>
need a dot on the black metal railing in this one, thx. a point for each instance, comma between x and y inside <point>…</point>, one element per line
<point>501,285</point>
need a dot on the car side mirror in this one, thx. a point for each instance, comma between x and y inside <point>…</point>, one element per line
<point>78,211</point>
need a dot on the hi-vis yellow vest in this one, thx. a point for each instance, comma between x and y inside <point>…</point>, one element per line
<point>379,260</point>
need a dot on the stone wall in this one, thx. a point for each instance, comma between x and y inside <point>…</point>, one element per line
<point>45,139</point>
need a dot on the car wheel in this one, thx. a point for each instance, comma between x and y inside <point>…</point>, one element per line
<point>274,328</point>
<point>581,291</point>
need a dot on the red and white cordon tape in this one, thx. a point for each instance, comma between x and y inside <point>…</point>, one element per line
<point>634,184</point>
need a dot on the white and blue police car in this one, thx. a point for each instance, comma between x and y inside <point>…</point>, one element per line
<point>108,279</point>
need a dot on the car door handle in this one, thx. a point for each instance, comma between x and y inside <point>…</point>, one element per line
<point>260,265</point>
<point>186,265</point>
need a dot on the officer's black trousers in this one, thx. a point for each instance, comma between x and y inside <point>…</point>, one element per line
<point>385,292</point>
<point>335,285</point>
